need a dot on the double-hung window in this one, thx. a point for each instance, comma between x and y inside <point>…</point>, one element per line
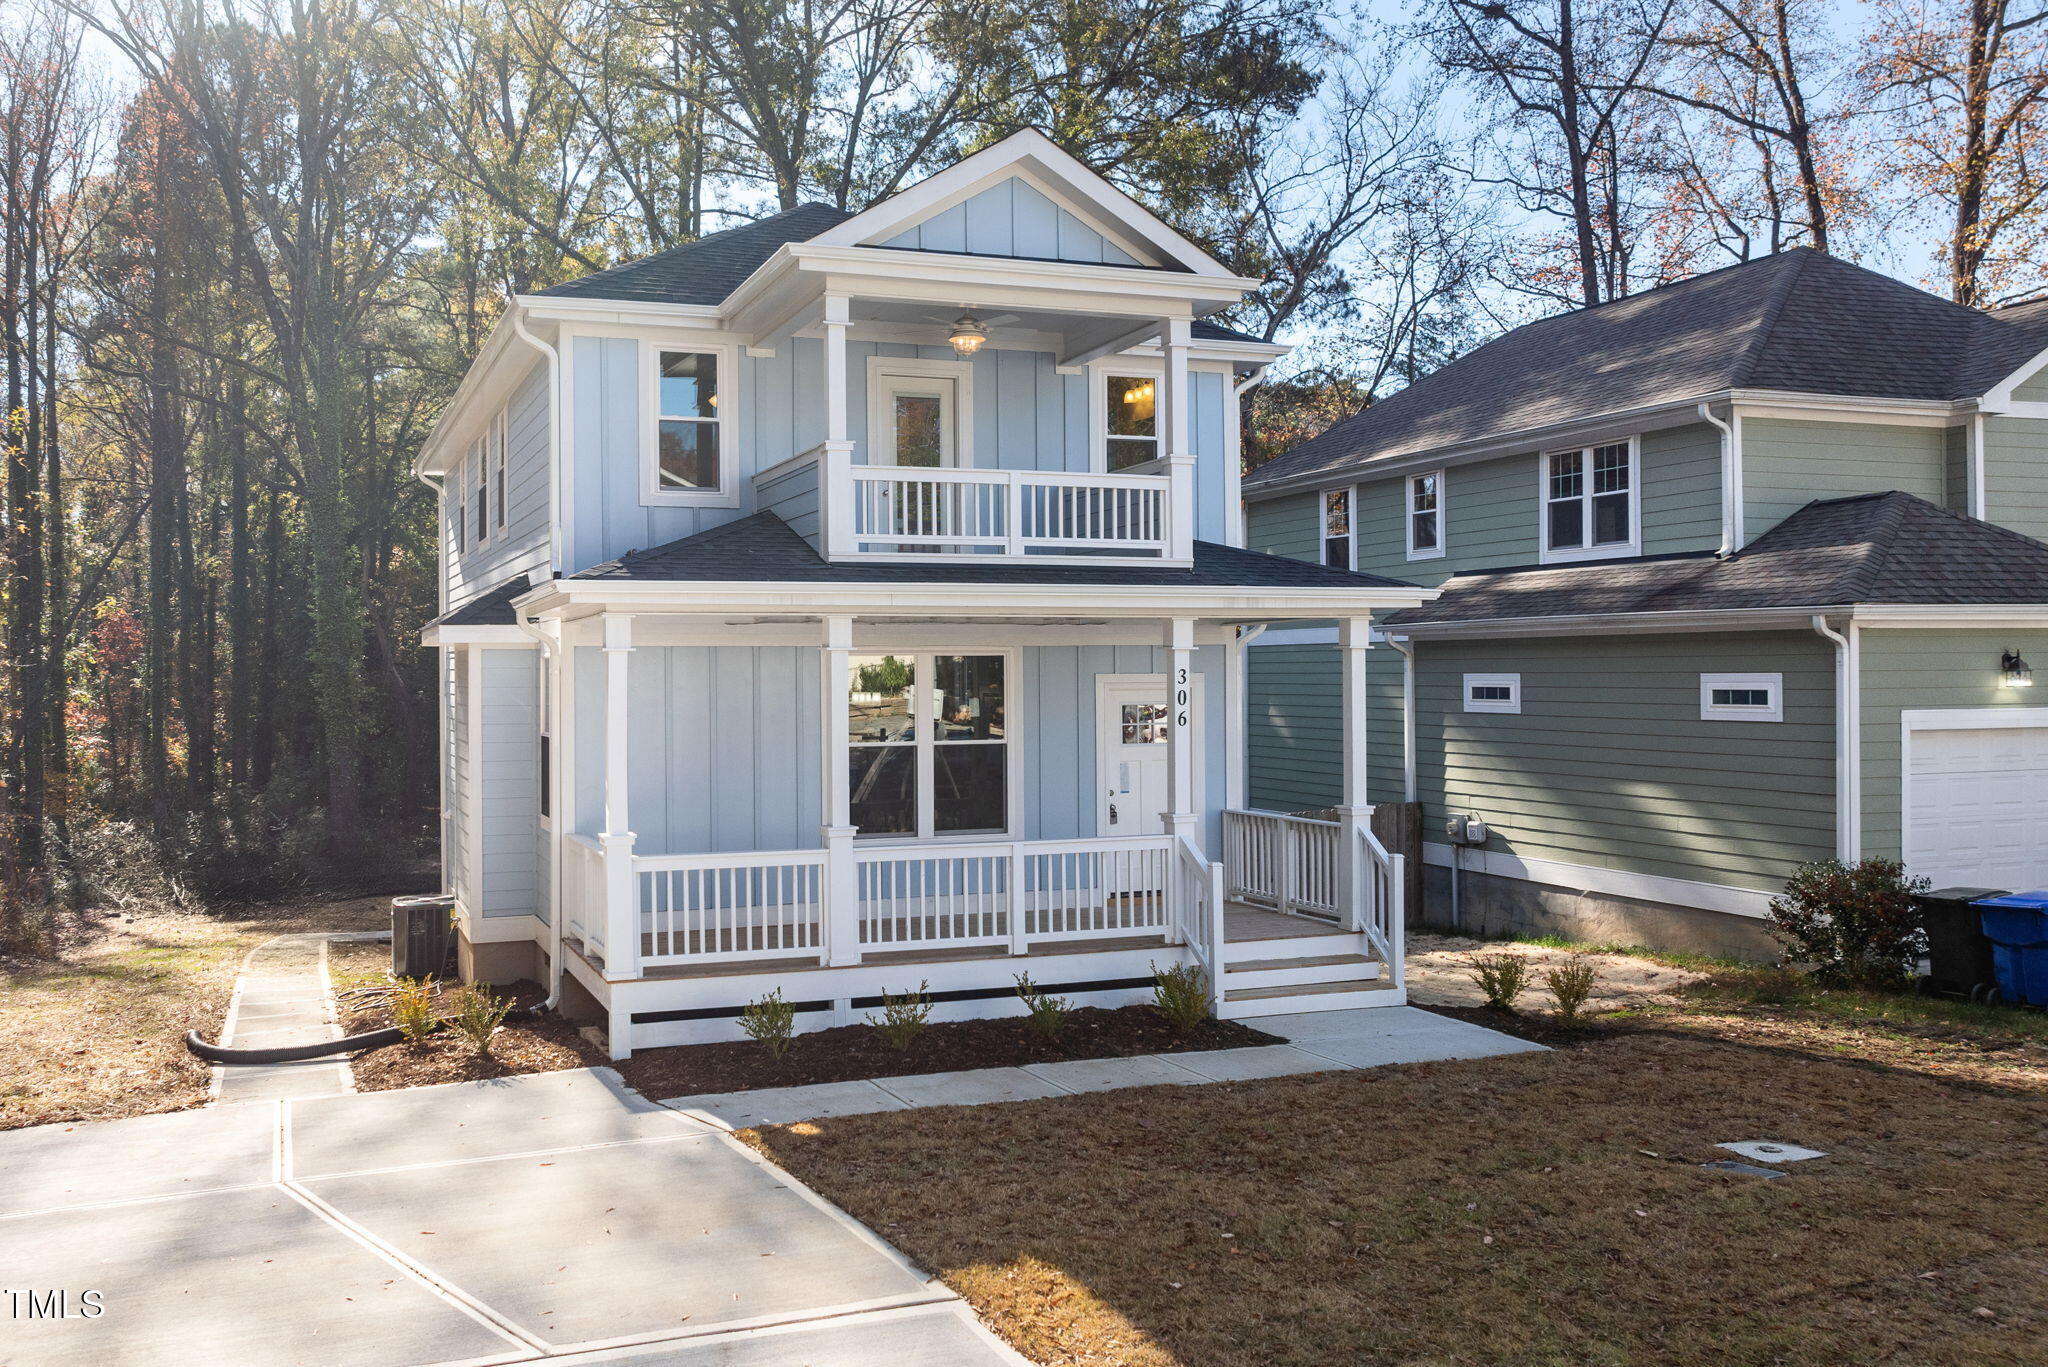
<point>1131,420</point>
<point>498,460</point>
<point>1426,515</point>
<point>1590,507</point>
<point>928,753</point>
<point>687,448</point>
<point>480,495</point>
<point>458,505</point>
<point>1337,528</point>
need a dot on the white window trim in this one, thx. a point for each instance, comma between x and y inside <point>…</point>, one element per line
<point>1408,515</point>
<point>476,469</point>
<point>883,369</point>
<point>1512,705</point>
<point>652,494</point>
<point>501,460</point>
<point>924,674</point>
<point>1098,375</point>
<point>1350,491</point>
<point>1619,550</point>
<point>456,500</point>
<point>1710,710</point>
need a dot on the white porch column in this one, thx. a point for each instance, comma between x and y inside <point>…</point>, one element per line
<point>835,477</point>
<point>841,887</point>
<point>1181,816</point>
<point>1178,436</point>
<point>1234,721</point>
<point>1353,810</point>
<point>838,316</point>
<point>622,893</point>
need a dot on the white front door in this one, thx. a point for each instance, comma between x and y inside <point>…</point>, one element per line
<point>1977,807</point>
<point>1131,726</point>
<point>919,416</point>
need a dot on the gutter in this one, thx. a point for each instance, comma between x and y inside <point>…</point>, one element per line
<point>1848,739</point>
<point>1731,481</point>
<point>555,916</point>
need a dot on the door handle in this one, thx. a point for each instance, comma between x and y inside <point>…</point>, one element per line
<point>1112,814</point>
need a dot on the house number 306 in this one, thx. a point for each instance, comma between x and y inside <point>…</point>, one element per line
<point>1180,698</point>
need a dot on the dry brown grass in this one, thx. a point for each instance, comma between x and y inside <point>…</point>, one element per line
<point>1532,1209</point>
<point>98,1031</point>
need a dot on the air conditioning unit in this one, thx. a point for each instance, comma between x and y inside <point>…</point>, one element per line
<point>422,935</point>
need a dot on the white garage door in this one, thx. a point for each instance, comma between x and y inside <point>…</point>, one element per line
<point>1977,807</point>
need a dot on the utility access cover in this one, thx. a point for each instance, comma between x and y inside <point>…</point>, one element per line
<point>1771,1151</point>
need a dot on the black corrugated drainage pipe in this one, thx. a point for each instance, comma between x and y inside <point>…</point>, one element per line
<point>294,1053</point>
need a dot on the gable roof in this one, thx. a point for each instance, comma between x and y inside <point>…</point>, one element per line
<point>1889,548</point>
<point>707,270</point>
<point>1800,321</point>
<point>762,548</point>
<point>492,609</point>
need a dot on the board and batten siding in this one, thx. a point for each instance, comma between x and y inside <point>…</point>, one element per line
<point>508,770</point>
<point>1609,764</point>
<point>1789,463</point>
<point>524,544</point>
<point>725,742</point>
<point>1012,218</point>
<point>459,778</point>
<point>2016,474</point>
<point>1926,668</point>
<point>1026,416</point>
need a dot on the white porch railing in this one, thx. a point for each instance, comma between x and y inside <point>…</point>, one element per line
<point>1289,863</point>
<point>703,908</point>
<point>583,888</point>
<point>1197,905</point>
<point>1384,916</point>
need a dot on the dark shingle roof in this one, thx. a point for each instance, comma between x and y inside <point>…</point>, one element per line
<point>763,548</point>
<point>493,609</point>
<point>1872,548</point>
<point>707,270</point>
<point>1799,321</point>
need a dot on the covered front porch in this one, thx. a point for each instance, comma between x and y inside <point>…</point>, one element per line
<point>838,804</point>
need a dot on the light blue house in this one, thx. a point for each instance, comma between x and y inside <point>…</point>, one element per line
<point>1737,574</point>
<point>840,603</point>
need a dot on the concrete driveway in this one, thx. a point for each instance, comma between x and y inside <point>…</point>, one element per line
<point>473,1223</point>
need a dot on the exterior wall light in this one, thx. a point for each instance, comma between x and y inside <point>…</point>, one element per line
<point>2015,672</point>
<point>968,335</point>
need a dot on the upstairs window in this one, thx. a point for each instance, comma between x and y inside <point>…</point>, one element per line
<point>480,495</point>
<point>1337,528</point>
<point>1426,515</point>
<point>1131,415</point>
<point>458,505</point>
<point>684,403</point>
<point>498,444</point>
<point>1589,502</point>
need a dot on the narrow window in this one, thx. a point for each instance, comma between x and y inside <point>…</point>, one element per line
<point>882,763</point>
<point>457,501</point>
<point>547,758</point>
<point>686,423</point>
<point>480,460</point>
<point>499,434</point>
<point>1132,417</point>
<point>1337,528</point>
<point>1589,501</point>
<point>1425,515</point>
<point>970,777</point>
<point>1742,697</point>
<point>1493,693</point>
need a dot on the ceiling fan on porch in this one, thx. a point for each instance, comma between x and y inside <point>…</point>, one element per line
<point>969,332</point>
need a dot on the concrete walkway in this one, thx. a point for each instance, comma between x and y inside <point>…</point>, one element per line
<point>489,1222</point>
<point>1316,1042</point>
<point>283,997</point>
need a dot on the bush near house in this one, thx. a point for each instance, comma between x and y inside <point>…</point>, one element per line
<point>1855,923</point>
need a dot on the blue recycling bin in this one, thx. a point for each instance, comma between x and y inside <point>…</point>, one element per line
<point>2017,926</point>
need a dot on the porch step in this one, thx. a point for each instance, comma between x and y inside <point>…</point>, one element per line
<point>1239,1003</point>
<point>1294,972</point>
<point>1293,949</point>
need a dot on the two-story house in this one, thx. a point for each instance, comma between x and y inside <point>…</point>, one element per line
<point>1737,574</point>
<point>848,601</point>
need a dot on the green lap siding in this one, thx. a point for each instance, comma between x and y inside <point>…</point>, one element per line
<point>1787,464</point>
<point>2033,389</point>
<point>1609,763</point>
<point>2016,474</point>
<point>1290,526</point>
<point>1926,668</point>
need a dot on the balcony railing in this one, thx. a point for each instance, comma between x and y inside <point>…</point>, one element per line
<point>892,512</point>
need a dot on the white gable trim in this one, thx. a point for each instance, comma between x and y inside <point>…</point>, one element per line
<point>1063,178</point>
<point>1999,399</point>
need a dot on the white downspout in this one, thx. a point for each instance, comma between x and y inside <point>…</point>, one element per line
<point>552,659</point>
<point>1407,649</point>
<point>1848,739</point>
<point>1731,484</point>
<point>557,402</point>
<point>440,668</point>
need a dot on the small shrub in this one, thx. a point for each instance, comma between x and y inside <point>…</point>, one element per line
<point>1855,923</point>
<point>477,1013</point>
<point>772,1021</point>
<point>1571,982</point>
<point>1182,995</point>
<point>1048,1014</point>
<point>412,1008</point>
<point>904,1017</point>
<point>1501,976</point>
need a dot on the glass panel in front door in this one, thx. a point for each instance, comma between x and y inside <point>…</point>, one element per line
<point>920,430</point>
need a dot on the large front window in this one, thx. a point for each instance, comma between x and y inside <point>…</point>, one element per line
<point>686,422</point>
<point>1589,501</point>
<point>928,752</point>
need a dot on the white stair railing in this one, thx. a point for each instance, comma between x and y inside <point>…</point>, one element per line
<point>1385,913</point>
<point>1198,901</point>
<point>1290,863</point>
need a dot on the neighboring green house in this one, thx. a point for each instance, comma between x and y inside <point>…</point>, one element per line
<point>1733,574</point>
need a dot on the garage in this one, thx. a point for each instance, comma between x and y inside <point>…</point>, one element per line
<point>1977,805</point>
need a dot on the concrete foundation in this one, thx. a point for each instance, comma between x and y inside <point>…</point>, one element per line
<point>499,961</point>
<point>1495,906</point>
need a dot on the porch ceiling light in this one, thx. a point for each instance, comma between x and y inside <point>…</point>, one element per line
<point>968,335</point>
<point>2015,672</point>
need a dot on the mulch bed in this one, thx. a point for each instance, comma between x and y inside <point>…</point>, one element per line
<point>850,1053</point>
<point>542,1044</point>
<point>1541,1029</point>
